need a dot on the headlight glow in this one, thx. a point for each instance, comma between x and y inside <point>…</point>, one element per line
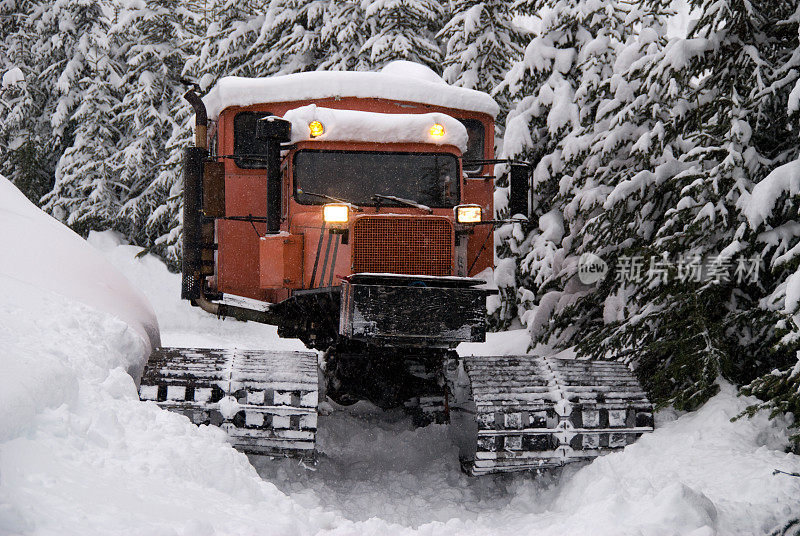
<point>335,213</point>
<point>437,131</point>
<point>468,214</point>
<point>316,128</point>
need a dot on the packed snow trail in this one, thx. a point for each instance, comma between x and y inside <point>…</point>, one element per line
<point>80,454</point>
<point>375,464</point>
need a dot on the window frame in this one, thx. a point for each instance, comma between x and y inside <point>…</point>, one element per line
<point>241,160</point>
<point>477,170</point>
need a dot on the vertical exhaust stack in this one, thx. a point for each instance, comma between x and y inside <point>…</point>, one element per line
<point>200,119</point>
<point>194,158</point>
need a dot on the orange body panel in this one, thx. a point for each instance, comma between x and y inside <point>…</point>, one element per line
<point>281,261</point>
<point>480,249</point>
<point>240,261</point>
<point>237,259</point>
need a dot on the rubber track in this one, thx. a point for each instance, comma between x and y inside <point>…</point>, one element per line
<point>535,412</point>
<point>265,400</point>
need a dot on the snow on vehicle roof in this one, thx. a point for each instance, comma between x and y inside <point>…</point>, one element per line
<point>353,125</point>
<point>399,81</point>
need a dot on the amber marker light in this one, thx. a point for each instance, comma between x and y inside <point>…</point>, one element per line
<point>316,129</point>
<point>335,213</point>
<point>468,214</point>
<point>437,131</point>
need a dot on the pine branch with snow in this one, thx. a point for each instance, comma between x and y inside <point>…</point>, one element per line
<point>682,337</point>
<point>87,192</point>
<point>481,45</point>
<point>403,30</point>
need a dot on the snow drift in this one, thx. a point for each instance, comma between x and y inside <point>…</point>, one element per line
<point>79,453</point>
<point>45,255</point>
<point>67,314</point>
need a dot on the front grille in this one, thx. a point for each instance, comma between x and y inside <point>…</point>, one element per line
<point>403,245</point>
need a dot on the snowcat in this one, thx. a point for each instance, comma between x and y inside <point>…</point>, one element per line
<point>354,210</point>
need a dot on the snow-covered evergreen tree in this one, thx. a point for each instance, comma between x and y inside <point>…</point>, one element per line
<point>28,149</point>
<point>772,211</point>
<point>481,44</point>
<point>88,192</point>
<point>279,37</point>
<point>224,47</point>
<point>610,198</point>
<point>342,38</point>
<point>680,132</point>
<point>155,36</point>
<point>557,86</point>
<point>403,30</point>
<point>82,56</point>
<point>162,221</point>
<point>298,44</point>
<point>694,332</point>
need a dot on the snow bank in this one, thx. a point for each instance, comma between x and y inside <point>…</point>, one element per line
<point>700,474</point>
<point>48,344</point>
<point>67,314</point>
<point>79,453</point>
<point>45,255</point>
<point>109,464</point>
<point>351,125</point>
<point>398,81</point>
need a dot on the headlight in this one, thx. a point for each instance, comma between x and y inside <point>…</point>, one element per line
<point>468,213</point>
<point>335,213</point>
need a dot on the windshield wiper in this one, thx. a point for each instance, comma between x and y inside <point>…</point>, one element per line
<point>407,202</point>
<point>326,196</point>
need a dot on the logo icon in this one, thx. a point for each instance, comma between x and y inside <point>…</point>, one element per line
<point>591,268</point>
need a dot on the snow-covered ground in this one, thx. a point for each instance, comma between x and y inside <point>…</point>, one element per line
<point>79,454</point>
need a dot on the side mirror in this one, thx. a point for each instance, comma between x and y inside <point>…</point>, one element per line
<point>519,196</point>
<point>273,128</point>
<point>273,131</point>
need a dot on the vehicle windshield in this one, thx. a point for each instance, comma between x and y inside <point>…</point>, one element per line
<point>429,179</point>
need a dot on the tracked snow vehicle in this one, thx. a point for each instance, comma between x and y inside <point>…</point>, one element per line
<point>353,211</point>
